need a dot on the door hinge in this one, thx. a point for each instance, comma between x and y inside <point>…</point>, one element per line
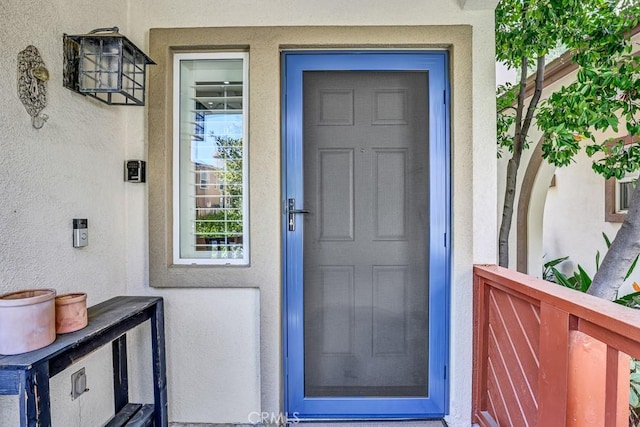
<point>444,97</point>
<point>445,372</point>
<point>445,240</point>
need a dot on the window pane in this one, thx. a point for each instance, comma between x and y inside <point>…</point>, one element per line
<point>212,219</point>
<point>624,194</point>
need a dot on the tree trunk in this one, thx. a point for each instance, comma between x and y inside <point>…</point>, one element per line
<point>624,249</point>
<point>522,126</point>
<point>507,210</point>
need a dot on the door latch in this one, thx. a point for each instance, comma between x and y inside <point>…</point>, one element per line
<point>292,214</point>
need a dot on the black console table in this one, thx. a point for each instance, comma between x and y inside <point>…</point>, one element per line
<point>27,375</point>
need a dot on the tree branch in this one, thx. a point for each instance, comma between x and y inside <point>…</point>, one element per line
<point>536,95</point>
<point>522,94</point>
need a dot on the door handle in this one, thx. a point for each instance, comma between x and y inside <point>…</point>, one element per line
<point>292,214</point>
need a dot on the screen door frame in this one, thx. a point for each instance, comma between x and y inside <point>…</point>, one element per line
<point>435,405</point>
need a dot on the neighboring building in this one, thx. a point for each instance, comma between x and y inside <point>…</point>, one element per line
<point>563,212</point>
<point>399,107</point>
<point>209,197</point>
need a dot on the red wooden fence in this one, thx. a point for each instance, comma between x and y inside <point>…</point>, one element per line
<point>526,372</point>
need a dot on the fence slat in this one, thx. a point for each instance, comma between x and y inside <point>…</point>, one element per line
<point>611,389</point>
<point>480,329</point>
<point>554,365</point>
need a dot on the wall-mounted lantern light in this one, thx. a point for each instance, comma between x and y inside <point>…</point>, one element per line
<point>105,64</point>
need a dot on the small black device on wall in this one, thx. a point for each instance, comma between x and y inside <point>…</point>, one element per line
<point>135,171</point>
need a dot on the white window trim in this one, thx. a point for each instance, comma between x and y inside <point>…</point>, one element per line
<point>176,158</point>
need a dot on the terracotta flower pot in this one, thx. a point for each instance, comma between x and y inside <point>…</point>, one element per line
<point>71,312</point>
<point>27,320</point>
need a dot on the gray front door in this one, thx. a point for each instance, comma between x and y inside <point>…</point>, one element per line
<point>365,239</point>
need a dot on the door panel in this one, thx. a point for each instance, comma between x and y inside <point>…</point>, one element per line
<point>335,196</point>
<point>366,269</point>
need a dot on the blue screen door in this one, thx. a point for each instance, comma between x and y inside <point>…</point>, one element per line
<point>366,234</point>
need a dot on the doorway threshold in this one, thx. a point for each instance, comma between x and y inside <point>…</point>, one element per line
<point>369,423</point>
<point>336,423</point>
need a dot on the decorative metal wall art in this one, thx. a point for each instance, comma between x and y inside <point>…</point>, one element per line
<point>32,84</point>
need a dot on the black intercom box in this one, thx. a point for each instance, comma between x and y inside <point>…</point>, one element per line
<point>135,171</point>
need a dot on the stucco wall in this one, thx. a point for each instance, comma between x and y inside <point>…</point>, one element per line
<point>468,240</point>
<point>223,346</point>
<point>71,168</point>
<point>574,220</point>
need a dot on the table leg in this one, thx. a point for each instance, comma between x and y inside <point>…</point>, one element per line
<point>159,366</point>
<point>35,407</point>
<point>120,373</point>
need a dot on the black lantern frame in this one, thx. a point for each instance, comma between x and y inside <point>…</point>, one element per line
<point>105,65</point>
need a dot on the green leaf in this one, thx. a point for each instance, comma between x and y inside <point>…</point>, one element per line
<point>585,280</point>
<point>554,262</point>
<point>629,300</point>
<point>633,398</point>
<point>631,268</point>
<point>606,240</point>
<point>561,278</point>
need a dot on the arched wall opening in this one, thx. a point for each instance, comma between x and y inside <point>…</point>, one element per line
<point>530,213</point>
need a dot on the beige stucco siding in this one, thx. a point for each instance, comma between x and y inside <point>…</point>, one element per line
<point>264,46</point>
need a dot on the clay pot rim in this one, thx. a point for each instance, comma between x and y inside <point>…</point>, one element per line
<point>13,299</point>
<point>71,298</point>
